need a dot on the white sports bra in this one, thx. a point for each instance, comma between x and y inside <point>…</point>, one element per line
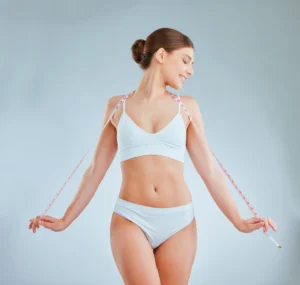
<point>133,141</point>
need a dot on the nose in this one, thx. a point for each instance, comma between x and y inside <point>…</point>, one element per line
<point>190,71</point>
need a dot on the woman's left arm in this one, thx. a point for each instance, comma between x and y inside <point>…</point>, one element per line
<point>205,164</point>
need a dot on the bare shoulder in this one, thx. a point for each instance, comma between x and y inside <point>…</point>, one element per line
<point>110,105</point>
<point>113,100</point>
<point>193,109</point>
<point>191,104</point>
<point>188,100</point>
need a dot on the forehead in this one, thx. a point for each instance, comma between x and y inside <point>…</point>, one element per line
<point>186,51</point>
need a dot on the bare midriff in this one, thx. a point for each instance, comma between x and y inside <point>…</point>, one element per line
<point>154,181</point>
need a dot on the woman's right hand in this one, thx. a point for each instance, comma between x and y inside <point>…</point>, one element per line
<point>47,222</point>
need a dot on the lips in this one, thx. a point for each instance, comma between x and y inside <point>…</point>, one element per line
<point>182,77</point>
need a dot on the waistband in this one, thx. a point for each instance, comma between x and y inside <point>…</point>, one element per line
<point>130,205</point>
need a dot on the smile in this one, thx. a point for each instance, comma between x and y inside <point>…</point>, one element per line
<point>182,78</point>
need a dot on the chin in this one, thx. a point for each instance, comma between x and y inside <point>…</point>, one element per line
<point>176,86</point>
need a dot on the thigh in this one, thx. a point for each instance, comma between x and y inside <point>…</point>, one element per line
<point>175,257</point>
<point>132,253</point>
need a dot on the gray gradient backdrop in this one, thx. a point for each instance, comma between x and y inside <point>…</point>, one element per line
<point>60,62</point>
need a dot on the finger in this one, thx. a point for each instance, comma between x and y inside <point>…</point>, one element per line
<point>254,220</point>
<point>46,225</point>
<point>35,225</point>
<point>257,226</point>
<point>31,225</point>
<point>267,225</point>
<point>263,221</point>
<point>272,225</point>
<point>273,222</point>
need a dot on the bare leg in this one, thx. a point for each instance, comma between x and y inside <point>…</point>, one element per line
<point>132,253</point>
<point>175,257</point>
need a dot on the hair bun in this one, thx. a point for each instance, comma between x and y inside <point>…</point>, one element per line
<point>137,50</point>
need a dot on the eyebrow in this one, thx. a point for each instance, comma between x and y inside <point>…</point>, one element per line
<point>189,57</point>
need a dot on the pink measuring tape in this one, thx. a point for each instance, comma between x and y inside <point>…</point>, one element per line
<point>177,98</point>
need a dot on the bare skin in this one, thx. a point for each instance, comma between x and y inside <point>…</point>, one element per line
<point>154,181</point>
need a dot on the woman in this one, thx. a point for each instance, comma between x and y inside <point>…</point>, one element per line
<point>153,228</point>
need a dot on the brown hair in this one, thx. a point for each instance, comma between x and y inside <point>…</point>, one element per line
<point>167,38</point>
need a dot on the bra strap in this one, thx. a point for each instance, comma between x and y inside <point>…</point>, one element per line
<point>116,107</point>
<point>177,98</point>
<point>179,103</point>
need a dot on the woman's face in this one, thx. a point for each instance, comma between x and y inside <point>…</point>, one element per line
<point>177,67</point>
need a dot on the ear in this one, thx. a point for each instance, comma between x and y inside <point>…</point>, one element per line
<point>160,55</point>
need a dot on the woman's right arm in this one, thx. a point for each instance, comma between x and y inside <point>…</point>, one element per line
<point>103,156</point>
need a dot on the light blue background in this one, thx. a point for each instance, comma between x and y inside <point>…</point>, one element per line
<point>59,63</point>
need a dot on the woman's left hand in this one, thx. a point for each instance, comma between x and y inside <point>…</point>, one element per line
<point>253,224</point>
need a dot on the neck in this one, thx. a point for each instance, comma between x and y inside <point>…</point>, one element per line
<point>151,86</point>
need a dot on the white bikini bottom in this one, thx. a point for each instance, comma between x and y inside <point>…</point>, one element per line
<point>158,224</point>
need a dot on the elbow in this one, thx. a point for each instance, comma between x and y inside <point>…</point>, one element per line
<point>93,175</point>
<point>93,171</point>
